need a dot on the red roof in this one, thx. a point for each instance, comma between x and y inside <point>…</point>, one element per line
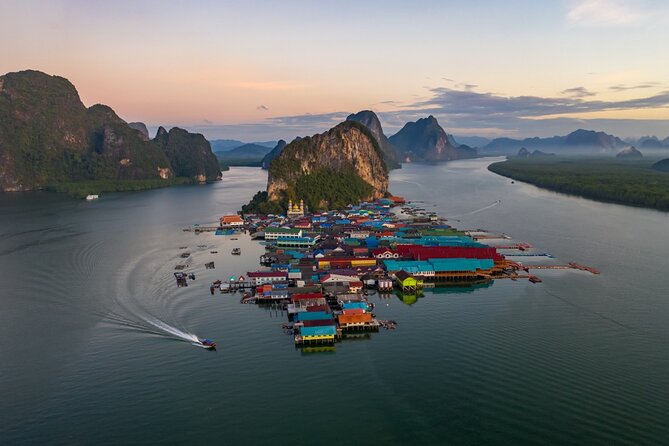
<point>418,252</point>
<point>378,251</point>
<point>318,308</point>
<point>304,296</point>
<point>356,284</point>
<point>255,274</point>
<point>319,323</point>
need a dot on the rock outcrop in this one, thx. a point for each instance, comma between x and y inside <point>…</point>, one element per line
<point>48,136</point>
<point>141,128</point>
<point>369,119</point>
<point>189,154</point>
<point>426,140</point>
<point>330,170</point>
<point>524,153</point>
<point>276,151</point>
<point>629,153</point>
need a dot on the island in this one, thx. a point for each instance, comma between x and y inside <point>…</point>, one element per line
<point>629,181</point>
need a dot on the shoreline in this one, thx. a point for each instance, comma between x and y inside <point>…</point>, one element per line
<point>635,185</point>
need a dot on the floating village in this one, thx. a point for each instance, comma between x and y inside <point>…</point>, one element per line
<point>319,268</point>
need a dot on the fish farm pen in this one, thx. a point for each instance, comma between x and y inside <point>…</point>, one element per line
<point>318,268</point>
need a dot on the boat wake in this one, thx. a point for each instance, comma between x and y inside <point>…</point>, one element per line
<point>150,325</point>
<point>476,211</point>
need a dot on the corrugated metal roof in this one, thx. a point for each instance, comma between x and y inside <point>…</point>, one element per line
<point>312,316</point>
<point>351,305</point>
<point>326,330</point>
<point>355,318</point>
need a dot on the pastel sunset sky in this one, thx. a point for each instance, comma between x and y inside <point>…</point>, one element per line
<point>260,70</point>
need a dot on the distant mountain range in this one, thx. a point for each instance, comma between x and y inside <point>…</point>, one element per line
<point>224,145</point>
<point>249,154</point>
<point>48,137</point>
<point>579,141</point>
<point>652,142</point>
<point>426,140</point>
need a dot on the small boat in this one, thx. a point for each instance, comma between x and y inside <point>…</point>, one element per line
<point>236,252</point>
<point>92,197</point>
<point>205,343</point>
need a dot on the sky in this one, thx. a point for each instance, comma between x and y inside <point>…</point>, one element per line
<point>263,70</point>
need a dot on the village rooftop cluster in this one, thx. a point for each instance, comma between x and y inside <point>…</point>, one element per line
<point>319,267</point>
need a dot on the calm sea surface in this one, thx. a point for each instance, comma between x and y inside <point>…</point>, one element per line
<point>88,300</point>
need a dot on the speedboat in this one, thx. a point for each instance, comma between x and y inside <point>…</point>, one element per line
<point>91,197</point>
<point>206,343</point>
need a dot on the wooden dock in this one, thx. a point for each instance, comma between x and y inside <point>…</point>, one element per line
<point>570,265</point>
<point>202,229</point>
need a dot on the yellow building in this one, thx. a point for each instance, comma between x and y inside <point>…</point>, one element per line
<point>295,210</point>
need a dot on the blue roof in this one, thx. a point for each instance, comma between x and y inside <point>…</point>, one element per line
<point>438,265</point>
<point>461,264</point>
<point>352,305</point>
<point>410,266</point>
<point>436,240</point>
<point>325,330</point>
<point>294,254</point>
<point>312,316</point>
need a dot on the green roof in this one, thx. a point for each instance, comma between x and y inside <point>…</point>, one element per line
<point>283,230</point>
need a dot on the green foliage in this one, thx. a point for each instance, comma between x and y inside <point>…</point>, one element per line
<point>189,153</point>
<point>631,182</point>
<point>326,189</point>
<point>47,136</point>
<point>260,205</point>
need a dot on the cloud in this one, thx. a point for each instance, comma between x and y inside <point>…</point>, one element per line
<point>475,104</point>
<point>469,112</point>
<point>625,87</point>
<point>577,92</point>
<point>262,107</point>
<point>606,13</point>
<point>486,113</point>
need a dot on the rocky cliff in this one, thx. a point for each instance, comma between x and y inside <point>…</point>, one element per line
<point>48,136</point>
<point>369,119</point>
<point>141,128</point>
<point>341,166</point>
<point>276,151</point>
<point>189,154</point>
<point>426,140</point>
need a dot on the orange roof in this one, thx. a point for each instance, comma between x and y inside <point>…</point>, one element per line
<point>354,311</point>
<point>354,318</point>
<point>232,219</point>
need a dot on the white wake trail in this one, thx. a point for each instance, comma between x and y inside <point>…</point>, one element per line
<point>173,331</point>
